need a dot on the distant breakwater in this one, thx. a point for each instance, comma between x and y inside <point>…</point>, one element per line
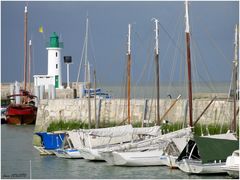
<point>141,91</point>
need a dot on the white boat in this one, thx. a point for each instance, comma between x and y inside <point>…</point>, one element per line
<point>169,160</point>
<point>68,153</point>
<point>197,167</point>
<point>95,139</point>
<point>143,153</point>
<point>172,151</point>
<point>233,164</point>
<point>144,158</point>
<point>116,137</point>
<point>79,143</point>
<point>207,154</point>
<point>91,154</point>
<point>69,149</point>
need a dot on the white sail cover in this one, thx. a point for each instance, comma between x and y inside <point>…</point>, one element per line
<point>159,141</point>
<point>112,131</point>
<point>229,136</point>
<point>89,138</point>
<point>180,142</point>
<point>152,131</point>
<point>77,138</point>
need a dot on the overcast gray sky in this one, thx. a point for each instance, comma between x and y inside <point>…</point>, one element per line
<point>212,29</point>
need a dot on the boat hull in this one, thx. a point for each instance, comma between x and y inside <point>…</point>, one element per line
<point>169,161</point>
<point>21,114</point>
<point>147,158</point>
<point>232,165</point>
<point>68,153</point>
<point>196,167</point>
<point>91,154</point>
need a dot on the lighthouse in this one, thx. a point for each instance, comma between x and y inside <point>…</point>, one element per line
<point>54,48</point>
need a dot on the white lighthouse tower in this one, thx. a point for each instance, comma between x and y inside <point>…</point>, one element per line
<point>54,60</point>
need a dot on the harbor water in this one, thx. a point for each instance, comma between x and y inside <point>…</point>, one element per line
<point>19,159</point>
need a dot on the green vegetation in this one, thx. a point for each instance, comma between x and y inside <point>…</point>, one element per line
<point>74,124</point>
<point>63,125</point>
<point>199,129</point>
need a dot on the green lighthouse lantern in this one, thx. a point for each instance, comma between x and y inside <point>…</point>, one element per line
<point>54,41</point>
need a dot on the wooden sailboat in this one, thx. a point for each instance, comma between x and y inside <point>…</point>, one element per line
<point>25,112</point>
<point>86,90</point>
<point>206,154</point>
<point>146,152</point>
<point>129,74</point>
<point>233,162</point>
<point>143,153</point>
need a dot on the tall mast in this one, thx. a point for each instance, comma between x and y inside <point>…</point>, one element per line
<point>187,32</point>
<point>235,79</point>
<point>29,64</point>
<point>129,72</point>
<point>157,68</point>
<point>25,46</point>
<point>86,78</point>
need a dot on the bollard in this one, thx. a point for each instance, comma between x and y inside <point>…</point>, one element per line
<point>74,93</point>
<point>42,92</point>
<point>81,91</point>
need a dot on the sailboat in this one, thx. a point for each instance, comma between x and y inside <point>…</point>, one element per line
<point>87,91</point>
<point>205,154</point>
<point>118,139</point>
<point>233,164</point>
<point>24,112</point>
<point>143,153</point>
<point>69,150</point>
<point>146,152</point>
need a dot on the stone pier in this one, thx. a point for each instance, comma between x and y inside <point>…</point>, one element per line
<point>115,110</point>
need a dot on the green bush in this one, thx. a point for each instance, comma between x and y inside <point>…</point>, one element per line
<point>69,125</point>
<point>198,129</point>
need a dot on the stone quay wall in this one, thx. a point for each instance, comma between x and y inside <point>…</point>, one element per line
<point>115,110</point>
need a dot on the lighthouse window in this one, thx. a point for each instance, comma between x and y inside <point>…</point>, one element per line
<point>56,54</point>
<point>56,66</point>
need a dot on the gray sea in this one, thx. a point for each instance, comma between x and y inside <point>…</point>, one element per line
<point>166,89</point>
<point>19,159</point>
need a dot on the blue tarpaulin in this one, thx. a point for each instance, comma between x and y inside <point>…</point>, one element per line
<point>51,141</point>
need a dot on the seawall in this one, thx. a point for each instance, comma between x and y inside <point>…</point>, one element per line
<point>115,110</point>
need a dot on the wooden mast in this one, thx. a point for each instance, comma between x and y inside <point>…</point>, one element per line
<point>25,46</point>
<point>157,68</point>
<point>129,73</point>
<point>86,77</point>
<point>235,79</point>
<point>95,100</point>
<point>187,33</point>
<point>29,65</point>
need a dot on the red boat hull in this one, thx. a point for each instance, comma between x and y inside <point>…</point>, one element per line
<point>21,114</point>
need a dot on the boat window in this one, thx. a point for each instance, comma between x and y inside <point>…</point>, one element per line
<point>56,66</point>
<point>56,54</point>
